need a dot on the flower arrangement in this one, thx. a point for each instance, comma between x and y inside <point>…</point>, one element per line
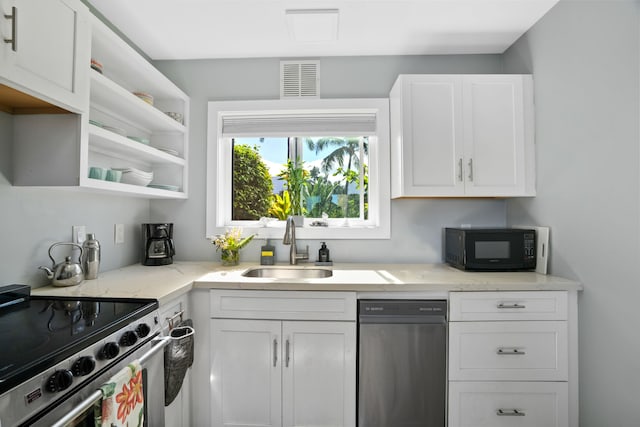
<point>230,244</point>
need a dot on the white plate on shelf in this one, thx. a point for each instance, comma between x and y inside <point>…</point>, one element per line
<point>164,187</point>
<point>114,129</point>
<point>169,151</point>
<point>139,139</point>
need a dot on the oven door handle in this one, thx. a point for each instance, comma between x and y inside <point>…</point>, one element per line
<point>94,397</point>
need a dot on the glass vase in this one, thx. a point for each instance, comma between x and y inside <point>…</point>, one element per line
<point>230,257</point>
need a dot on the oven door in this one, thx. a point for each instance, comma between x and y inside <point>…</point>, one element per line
<point>78,410</point>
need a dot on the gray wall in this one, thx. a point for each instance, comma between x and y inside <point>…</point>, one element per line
<point>584,58</point>
<point>416,224</point>
<point>31,219</point>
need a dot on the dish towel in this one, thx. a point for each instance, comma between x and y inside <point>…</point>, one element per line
<point>123,398</point>
<point>178,357</point>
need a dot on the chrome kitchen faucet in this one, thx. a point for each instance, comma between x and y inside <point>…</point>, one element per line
<point>290,239</point>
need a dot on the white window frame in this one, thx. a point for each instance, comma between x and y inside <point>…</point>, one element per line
<point>219,169</point>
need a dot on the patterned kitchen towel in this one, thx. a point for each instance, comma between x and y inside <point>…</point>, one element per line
<point>123,398</point>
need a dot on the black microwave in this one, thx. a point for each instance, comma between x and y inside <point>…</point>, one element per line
<point>490,249</point>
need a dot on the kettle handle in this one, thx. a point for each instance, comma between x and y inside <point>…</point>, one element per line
<point>68,244</point>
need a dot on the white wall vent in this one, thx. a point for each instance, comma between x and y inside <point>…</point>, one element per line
<point>299,79</point>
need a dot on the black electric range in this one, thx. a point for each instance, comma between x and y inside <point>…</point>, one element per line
<point>40,334</point>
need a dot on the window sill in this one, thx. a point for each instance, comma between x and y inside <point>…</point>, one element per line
<point>276,231</point>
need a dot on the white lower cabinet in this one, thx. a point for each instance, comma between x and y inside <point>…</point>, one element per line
<point>282,372</point>
<point>506,404</point>
<point>509,359</point>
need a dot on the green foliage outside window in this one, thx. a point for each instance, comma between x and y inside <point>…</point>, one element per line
<point>252,186</point>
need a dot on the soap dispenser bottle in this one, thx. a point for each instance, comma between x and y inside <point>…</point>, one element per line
<point>323,253</point>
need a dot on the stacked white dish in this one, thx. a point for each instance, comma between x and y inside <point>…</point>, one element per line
<point>135,176</point>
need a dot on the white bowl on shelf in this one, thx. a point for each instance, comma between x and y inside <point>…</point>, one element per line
<point>135,176</point>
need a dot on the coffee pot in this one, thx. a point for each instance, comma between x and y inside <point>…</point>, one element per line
<point>158,244</point>
<point>66,273</point>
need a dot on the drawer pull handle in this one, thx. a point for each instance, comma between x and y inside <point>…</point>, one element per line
<point>510,352</point>
<point>514,305</point>
<point>510,413</point>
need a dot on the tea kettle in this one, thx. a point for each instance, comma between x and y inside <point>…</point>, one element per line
<point>66,273</point>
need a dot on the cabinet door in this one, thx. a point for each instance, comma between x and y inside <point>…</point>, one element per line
<point>494,130</point>
<point>246,372</point>
<point>432,135</point>
<point>51,56</point>
<point>319,374</point>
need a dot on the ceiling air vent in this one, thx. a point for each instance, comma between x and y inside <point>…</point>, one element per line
<point>299,79</point>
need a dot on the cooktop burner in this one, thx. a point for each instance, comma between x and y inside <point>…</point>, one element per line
<point>48,330</point>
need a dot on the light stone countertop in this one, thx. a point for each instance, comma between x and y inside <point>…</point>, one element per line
<point>167,282</point>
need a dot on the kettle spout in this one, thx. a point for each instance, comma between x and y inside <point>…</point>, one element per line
<point>48,271</point>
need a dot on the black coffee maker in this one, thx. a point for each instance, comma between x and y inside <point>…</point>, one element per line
<point>158,244</point>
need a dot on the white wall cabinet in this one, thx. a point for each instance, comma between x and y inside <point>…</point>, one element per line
<point>49,54</point>
<point>50,150</point>
<point>462,136</point>
<point>282,372</point>
<point>512,359</point>
<point>178,413</point>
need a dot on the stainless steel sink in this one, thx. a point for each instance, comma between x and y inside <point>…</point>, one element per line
<point>288,273</point>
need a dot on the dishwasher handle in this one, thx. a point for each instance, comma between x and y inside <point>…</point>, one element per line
<point>435,319</point>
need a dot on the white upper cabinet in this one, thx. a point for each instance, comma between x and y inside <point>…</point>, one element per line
<point>462,136</point>
<point>46,50</point>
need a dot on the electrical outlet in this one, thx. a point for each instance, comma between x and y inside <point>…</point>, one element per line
<point>118,234</point>
<point>78,234</point>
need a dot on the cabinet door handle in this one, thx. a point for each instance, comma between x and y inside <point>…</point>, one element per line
<point>275,352</point>
<point>460,170</point>
<point>510,413</point>
<point>504,351</point>
<point>14,29</point>
<point>470,169</point>
<point>514,305</point>
<point>287,358</point>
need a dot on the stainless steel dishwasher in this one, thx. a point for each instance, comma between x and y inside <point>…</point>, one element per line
<point>402,368</point>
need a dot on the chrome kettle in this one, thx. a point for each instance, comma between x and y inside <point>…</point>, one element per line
<point>66,273</point>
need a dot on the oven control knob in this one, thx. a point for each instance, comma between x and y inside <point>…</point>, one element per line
<point>60,380</point>
<point>128,339</point>
<point>143,330</point>
<point>110,350</point>
<point>83,366</point>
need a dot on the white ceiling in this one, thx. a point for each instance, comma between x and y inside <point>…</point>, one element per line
<point>194,29</point>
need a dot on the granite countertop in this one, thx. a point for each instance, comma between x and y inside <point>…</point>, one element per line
<point>167,282</point>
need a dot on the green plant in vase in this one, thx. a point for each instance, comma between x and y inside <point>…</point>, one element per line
<point>230,244</point>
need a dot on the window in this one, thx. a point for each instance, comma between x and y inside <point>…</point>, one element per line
<point>337,149</point>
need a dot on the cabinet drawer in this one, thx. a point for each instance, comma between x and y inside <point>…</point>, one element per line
<point>495,404</point>
<point>516,351</point>
<point>537,305</point>
<point>284,305</point>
